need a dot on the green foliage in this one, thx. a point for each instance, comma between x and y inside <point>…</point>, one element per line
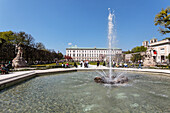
<point>59,56</point>
<point>25,39</point>
<point>163,20</point>
<point>16,38</point>
<point>127,52</point>
<point>9,36</point>
<point>32,52</point>
<point>168,57</point>
<point>40,46</point>
<point>2,41</point>
<point>95,63</point>
<point>136,57</point>
<point>7,52</point>
<point>167,38</point>
<point>137,49</point>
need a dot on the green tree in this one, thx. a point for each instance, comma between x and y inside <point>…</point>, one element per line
<point>127,52</point>
<point>16,38</point>
<point>9,36</point>
<point>59,56</point>
<point>163,20</point>
<point>169,57</point>
<point>137,49</point>
<point>25,39</point>
<point>40,46</point>
<point>136,57</point>
<point>2,41</point>
<point>31,52</point>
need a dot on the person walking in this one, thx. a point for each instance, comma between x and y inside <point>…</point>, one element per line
<point>63,66</point>
<point>140,64</point>
<point>113,63</point>
<point>75,65</point>
<point>81,63</point>
<point>98,63</point>
<point>87,63</point>
<point>104,64</point>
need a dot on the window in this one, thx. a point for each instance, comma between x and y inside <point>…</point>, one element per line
<point>162,58</point>
<point>155,40</point>
<point>162,50</point>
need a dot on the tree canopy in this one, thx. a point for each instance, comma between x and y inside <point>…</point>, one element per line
<point>32,51</point>
<point>136,57</point>
<point>137,49</point>
<point>163,20</point>
<point>8,36</point>
<point>40,46</point>
<point>168,57</point>
<point>16,38</point>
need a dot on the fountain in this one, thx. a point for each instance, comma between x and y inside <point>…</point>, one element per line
<point>111,37</point>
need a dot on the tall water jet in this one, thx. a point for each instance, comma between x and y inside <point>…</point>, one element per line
<point>110,38</point>
<point>109,79</point>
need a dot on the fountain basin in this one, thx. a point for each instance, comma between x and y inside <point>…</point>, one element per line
<point>77,92</point>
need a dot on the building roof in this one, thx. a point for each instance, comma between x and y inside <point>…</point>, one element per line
<point>162,42</point>
<point>153,38</point>
<point>88,48</point>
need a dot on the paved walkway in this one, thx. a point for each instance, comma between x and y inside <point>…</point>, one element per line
<point>14,76</point>
<point>91,67</point>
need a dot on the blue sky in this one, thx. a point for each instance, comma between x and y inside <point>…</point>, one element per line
<point>84,23</point>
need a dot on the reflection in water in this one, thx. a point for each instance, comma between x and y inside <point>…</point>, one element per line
<point>77,92</point>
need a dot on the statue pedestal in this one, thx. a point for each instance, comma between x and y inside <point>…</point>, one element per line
<point>18,62</point>
<point>149,63</point>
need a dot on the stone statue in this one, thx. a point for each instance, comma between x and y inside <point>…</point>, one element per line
<point>149,60</point>
<point>19,61</point>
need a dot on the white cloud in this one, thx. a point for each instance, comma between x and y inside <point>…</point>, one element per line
<point>69,44</point>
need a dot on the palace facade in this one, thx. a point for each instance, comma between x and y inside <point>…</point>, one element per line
<point>156,54</point>
<point>90,54</point>
<point>159,49</point>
